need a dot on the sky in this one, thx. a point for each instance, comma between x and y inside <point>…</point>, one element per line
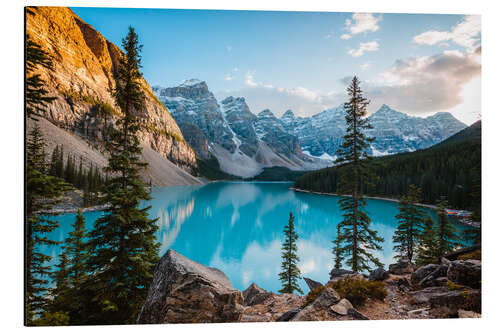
<point>419,64</point>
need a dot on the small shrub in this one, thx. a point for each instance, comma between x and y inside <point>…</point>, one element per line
<point>358,290</point>
<point>473,255</point>
<point>312,295</point>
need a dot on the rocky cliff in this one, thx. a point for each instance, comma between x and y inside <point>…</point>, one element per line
<point>82,81</point>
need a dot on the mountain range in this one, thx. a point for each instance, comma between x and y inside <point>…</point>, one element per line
<point>183,124</point>
<point>244,143</point>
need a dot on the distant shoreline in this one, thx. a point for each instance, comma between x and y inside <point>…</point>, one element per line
<point>458,221</point>
<point>367,197</point>
<point>58,211</point>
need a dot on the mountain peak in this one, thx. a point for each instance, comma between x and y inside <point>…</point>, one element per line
<point>288,114</point>
<point>232,99</point>
<point>386,109</point>
<point>266,114</point>
<point>192,82</point>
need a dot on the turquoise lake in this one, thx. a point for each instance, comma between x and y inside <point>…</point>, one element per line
<point>237,227</point>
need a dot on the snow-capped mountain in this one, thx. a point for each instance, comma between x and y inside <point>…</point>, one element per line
<point>395,132</point>
<point>242,142</point>
<point>192,104</point>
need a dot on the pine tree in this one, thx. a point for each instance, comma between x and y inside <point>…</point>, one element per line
<point>79,177</point>
<point>123,248</point>
<point>290,272</point>
<point>42,190</point>
<point>355,234</point>
<point>36,95</point>
<point>53,161</point>
<point>426,250</point>
<point>410,222</point>
<point>76,248</point>
<point>446,233</point>
<point>61,293</point>
<point>337,249</point>
<point>42,193</point>
<point>59,168</point>
<point>473,235</point>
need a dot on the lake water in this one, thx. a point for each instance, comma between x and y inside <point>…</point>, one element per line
<point>237,227</point>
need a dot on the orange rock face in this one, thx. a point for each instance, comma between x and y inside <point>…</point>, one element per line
<point>84,63</point>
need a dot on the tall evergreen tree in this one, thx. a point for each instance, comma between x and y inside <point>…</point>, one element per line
<point>36,95</point>
<point>53,161</point>
<point>69,296</point>
<point>473,235</point>
<point>76,248</point>
<point>427,247</point>
<point>337,249</point>
<point>123,248</point>
<point>42,193</point>
<point>42,190</point>
<point>410,224</point>
<point>446,233</point>
<point>355,229</point>
<point>61,292</point>
<point>290,273</point>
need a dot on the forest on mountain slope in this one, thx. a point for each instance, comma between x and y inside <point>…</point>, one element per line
<point>451,168</point>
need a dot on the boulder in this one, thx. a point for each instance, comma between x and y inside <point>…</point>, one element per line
<point>272,307</point>
<point>255,295</point>
<point>287,316</point>
<point>339,272</point>
<point>319,309</point>
<point>378,274</point>
<point>468,314</point>
<point>342,307</point>
<point>445,261</point>
<point>402,267</point>
<point>313,284</point>
<point>466,272</point>
<point>184,291</point>
<point>436,278</point>
<point>356,314</point>
<point>424,295</point>
<point>422,272</point>
<point>457,299</point>
<point>418,313</point>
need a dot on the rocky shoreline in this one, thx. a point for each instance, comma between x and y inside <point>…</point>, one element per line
<point>184,291</point>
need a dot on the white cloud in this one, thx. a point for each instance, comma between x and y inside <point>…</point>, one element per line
<point>249,81</point>
<point>235,69</point>
<point>366,65</point>
<point>228,77</point>
<point>303,101</point>
<point>426,84</point>
<point>303,92</point>
<point>364,47</point>
<point>362,22</point>
<point>345,36</point>
<point>465,33</point>
<point>297,91</point>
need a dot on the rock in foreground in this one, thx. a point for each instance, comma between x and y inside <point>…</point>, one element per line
<point>184,291</point>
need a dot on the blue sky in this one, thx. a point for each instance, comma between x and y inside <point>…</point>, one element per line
<point>418,64</point>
